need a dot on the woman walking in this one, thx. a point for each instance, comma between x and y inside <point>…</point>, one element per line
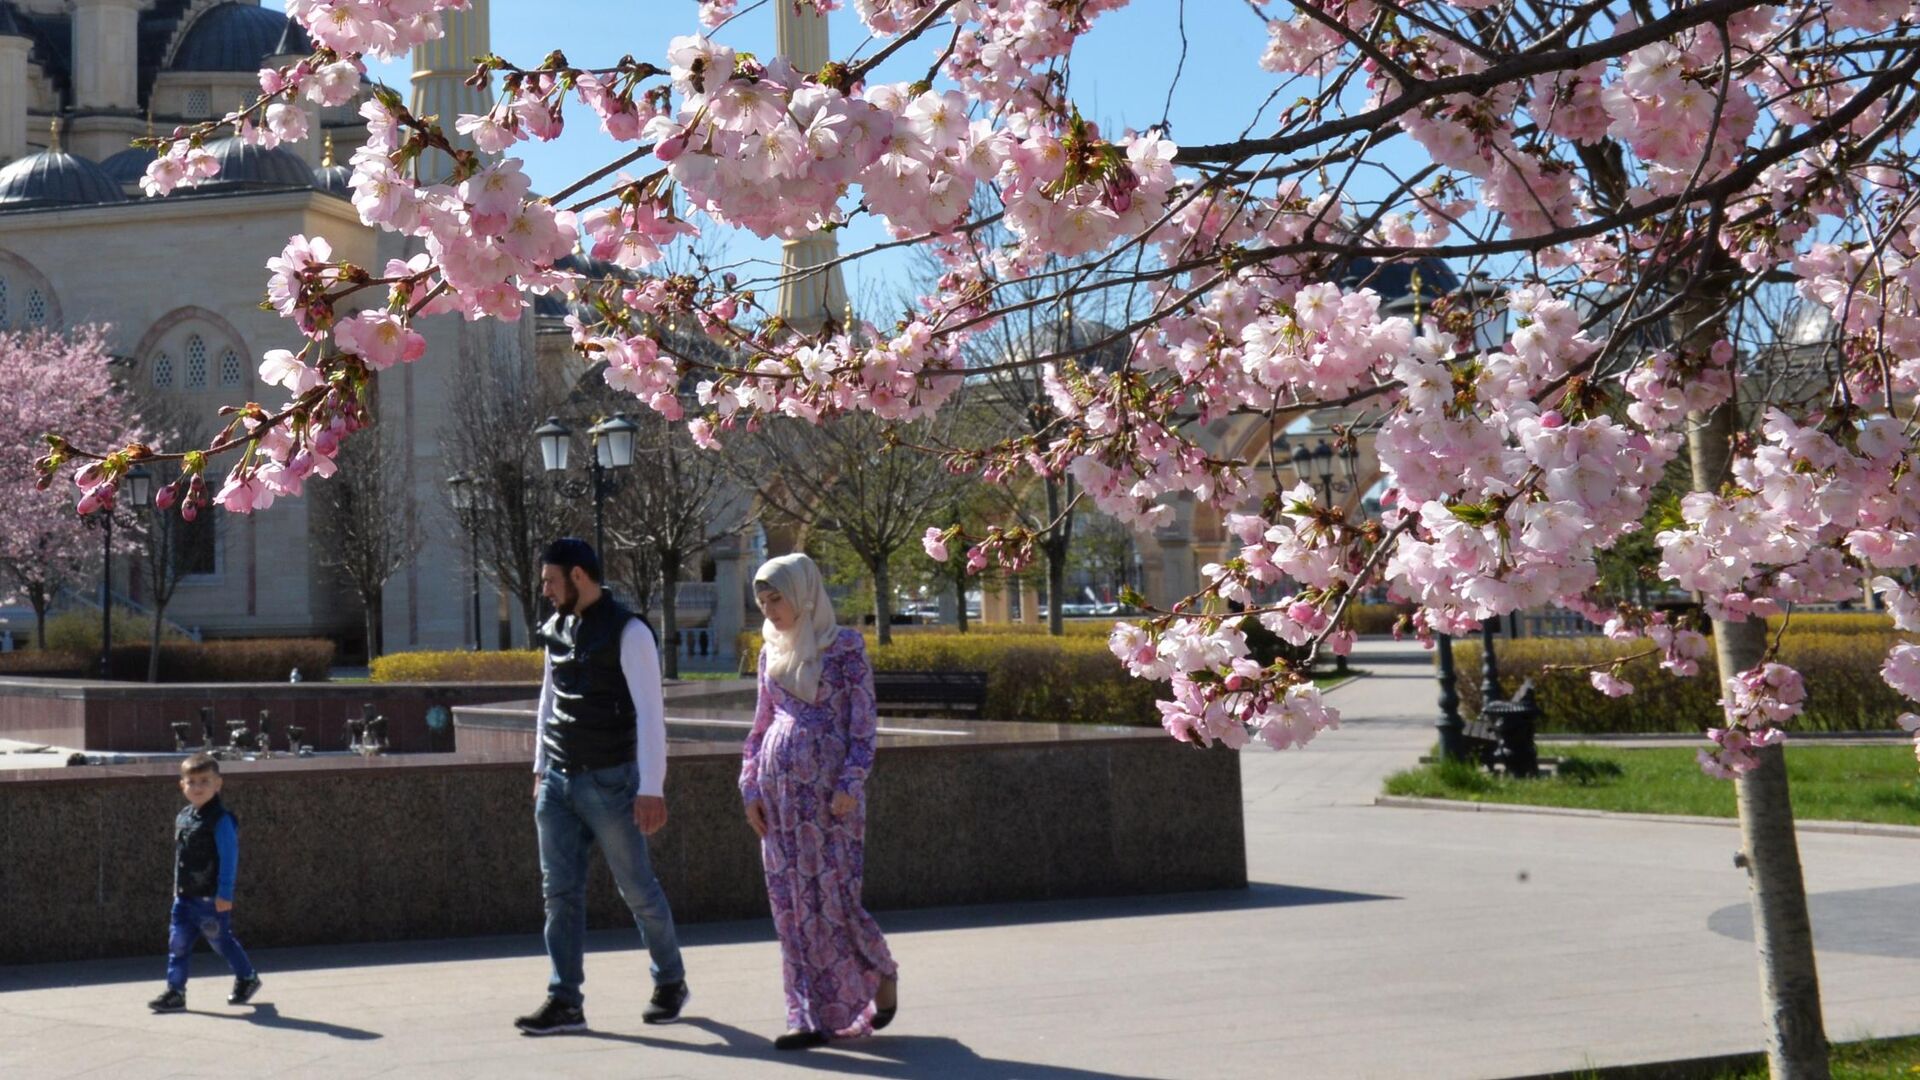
<point>803,779</point>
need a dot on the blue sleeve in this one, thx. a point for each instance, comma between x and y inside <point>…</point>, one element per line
<point>226,838</point>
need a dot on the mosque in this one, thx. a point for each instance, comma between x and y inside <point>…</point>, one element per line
<point>180,279</point>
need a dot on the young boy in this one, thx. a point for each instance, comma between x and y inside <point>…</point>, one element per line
<point>206,860</point>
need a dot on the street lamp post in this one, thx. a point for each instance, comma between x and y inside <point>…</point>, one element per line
<point>139,483</point>
<point>460,492</point>
<point>612,441</point>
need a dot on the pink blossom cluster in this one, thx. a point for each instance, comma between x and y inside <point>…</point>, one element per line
<point>1757,702</point>
<point>1220,694</point>
<point>384,29</point>
<point>1795,526</point>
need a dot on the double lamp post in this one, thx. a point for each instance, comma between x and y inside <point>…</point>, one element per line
<point>612,441</point>
<point>139,488</point>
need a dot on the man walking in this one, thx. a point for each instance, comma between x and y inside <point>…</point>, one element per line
<point>599,766</point>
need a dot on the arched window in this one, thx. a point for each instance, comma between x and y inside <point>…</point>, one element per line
<point>3,304</point>
<point>162,371</point>
<point>196,363</point>
<point>230,371</point>
<point>36,309</point>
<point>199,104</point>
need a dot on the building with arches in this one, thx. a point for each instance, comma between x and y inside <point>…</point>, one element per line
<point>180,279</point>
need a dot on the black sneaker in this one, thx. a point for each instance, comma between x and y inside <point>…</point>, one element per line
<point>244,989</point>
<point>668,1000</point>
<point>171,1001</point>
<point>554,1018</point>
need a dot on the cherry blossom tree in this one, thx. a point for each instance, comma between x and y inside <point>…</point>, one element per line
<point>1626,175</point>
<point>55,382</point>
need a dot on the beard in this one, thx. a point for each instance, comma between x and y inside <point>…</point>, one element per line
<point>569,601</point>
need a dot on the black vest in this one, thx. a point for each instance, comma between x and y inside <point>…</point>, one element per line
<point>592,726</point>
<point>196,858</point>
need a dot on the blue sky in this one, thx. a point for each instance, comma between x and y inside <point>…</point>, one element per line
<point>1120,77</point>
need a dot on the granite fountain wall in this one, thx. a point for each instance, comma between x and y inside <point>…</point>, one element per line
<point>406,846</point>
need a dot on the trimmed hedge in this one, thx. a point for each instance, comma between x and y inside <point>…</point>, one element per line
<point>1031,677</point>
<point>516,666</point>
<point>238,661</point>
<point>1376,618</point>
<point>1835,622</point>
<point>79,630</point>
<point>1842,668</point>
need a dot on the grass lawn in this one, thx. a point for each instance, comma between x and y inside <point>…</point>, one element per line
<point>1882,1060</point>
<point>1327,679</point>
<point>1829,783</point>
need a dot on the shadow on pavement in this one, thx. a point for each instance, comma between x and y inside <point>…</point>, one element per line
<point>1257,896</point>
<point>268,1015</point>
<point>883,1055</point>
<point>1866,922</point>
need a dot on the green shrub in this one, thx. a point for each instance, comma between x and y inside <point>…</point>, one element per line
<point>46,663</point>
<point>240,660</point>
<point>1842,669</point>
<point>1375,618</point>
<point>185,661</point>
<point>1031,677</point>
<point>517,666</point>
<point>1835,622</point>
<point>79,630</point>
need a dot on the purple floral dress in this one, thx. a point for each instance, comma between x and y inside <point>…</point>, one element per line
<point>833,956</point>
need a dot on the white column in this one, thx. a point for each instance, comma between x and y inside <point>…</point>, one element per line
<point>106,53</point>
<point>440,71</point>
<point>807,302</point>
<point>13,97</point>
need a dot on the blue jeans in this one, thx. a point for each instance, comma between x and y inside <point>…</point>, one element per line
<point>574,813</point>
<point>194,918</point>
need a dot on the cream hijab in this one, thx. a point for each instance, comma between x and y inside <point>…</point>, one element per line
<point>794,657</point>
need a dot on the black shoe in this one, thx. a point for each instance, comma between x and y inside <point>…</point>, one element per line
<point>553,1018</point>
<point>243,990</point>
<point>883,1017</point>
<point>800,1040</point>
<point>171,1001</point>
<point>667,1002</point>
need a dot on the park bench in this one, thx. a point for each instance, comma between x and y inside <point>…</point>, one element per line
<point>929,693</point>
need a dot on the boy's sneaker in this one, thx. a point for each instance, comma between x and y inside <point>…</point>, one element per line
<point>667,1002</point>
<point>171,1001</point>
<point>244,989</point>
<point>553,1018</point>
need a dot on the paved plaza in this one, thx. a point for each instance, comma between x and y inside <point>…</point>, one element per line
<point>1375,942</point>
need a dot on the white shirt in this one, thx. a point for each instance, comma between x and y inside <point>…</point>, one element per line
<point>641,666</point>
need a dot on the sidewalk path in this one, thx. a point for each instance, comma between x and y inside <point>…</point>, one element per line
<point>1375,943</point>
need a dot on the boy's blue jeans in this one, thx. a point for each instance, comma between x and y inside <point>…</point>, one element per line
<point>573,813</point>
<point>194,918</point>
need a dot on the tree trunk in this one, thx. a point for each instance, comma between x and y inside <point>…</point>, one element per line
<point>669,619</point>
<point>1056,588</point>
<point>882,600</point>
<point>370,605</point>
<point>530,611</point>
<point>153,645</point>
<point>40,605</point>
<point>1782,934</point>
<point>960,594</point>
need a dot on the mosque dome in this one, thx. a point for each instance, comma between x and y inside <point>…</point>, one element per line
<point>56,178</point>
<point>244,165</point>
<point>237,37</point>
<point>332,178</point>
<point>129,165</point>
